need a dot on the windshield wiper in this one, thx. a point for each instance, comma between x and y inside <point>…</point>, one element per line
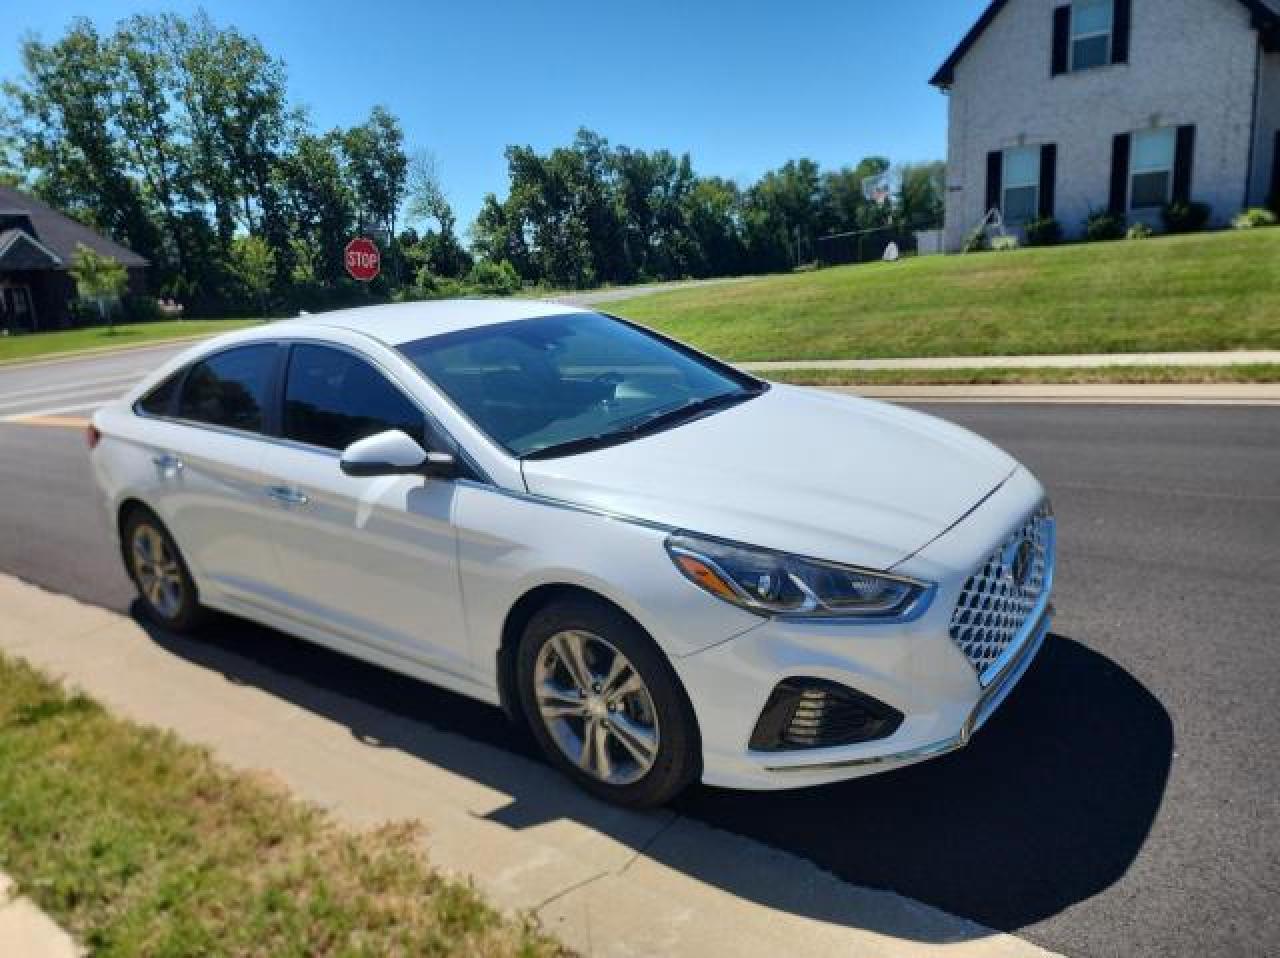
<point>650,423</point>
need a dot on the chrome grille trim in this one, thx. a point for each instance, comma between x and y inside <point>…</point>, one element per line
<point>992,615</point>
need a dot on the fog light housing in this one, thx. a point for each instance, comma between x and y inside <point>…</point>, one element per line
<point>807,713</point>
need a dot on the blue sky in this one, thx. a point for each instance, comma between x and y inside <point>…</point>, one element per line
<point>741,86</point>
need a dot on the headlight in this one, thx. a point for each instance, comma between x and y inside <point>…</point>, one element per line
<point>774,583</point>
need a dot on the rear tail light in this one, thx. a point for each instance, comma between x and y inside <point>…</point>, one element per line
<point>92,436</point>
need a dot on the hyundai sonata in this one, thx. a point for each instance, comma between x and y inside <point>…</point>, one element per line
<point>669,569</point>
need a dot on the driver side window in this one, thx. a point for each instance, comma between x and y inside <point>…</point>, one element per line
<point>333,399</point>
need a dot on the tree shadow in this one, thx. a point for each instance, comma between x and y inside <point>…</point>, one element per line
<point>1048,806</point>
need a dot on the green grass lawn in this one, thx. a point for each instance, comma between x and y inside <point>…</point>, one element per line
<point>139,844</point>
<point>41,345</point>
<point>1199,292</point>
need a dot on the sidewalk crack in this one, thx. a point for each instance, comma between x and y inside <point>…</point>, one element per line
<point>649,843</point>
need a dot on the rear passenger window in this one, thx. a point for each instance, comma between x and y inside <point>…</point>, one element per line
<point>229,389</point>
<point>332,399</point>
<point>159,402</point>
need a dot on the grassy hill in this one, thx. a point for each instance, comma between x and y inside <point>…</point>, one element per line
<point>1200,292</point>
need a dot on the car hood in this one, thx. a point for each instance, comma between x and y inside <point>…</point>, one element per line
<point>798,470</point>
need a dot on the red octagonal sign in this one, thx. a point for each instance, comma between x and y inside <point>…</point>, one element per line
<point>363,259</point>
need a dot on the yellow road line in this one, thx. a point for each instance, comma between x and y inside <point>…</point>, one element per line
<point>61,422</point>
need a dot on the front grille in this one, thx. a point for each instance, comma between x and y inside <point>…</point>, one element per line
<point>994,604</point>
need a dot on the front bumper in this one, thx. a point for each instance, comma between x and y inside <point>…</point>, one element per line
<point>915,667</point>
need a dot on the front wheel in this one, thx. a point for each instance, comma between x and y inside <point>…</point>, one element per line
<point>605,705</point>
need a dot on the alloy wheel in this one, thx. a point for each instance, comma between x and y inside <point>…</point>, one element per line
<point>156,570</point>
<point>596,707</point>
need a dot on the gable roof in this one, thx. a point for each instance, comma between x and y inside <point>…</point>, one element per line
<point>20,250</point>
<point>59,234</point>
<point>1266,19</point>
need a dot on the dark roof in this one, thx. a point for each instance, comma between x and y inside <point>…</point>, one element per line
<point>60,234</point>
<point>1266,18</point>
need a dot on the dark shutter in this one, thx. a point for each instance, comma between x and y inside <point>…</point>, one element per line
<point>1183,162</point>
<point>1048,179</point>
<point>1061,39</point>
<point>1120,29</point>
<point>1275,175</point>
<point>1119,174</point>
<point>995,179</point>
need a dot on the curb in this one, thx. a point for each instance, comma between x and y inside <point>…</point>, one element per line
<point>1155,394</point>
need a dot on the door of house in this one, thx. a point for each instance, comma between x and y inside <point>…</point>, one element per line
<point>17,309</point>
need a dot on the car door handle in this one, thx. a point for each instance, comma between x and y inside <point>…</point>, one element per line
<point>288,495</point>
<point>168,463</point>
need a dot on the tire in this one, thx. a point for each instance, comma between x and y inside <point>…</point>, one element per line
<point>650,737</point>
<point>155,564</point>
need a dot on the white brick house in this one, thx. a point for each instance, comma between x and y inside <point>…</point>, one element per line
<point>1063,108</point>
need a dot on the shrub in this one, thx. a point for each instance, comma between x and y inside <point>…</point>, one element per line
<point>1005,244</point>
<point>1140,231</point>
<point>1102,225</point>
<point>498,278</point>
<point>1255,218</point>
<point>976,241</point>
<point>1045,231</point>
<point>1185,217</point>
<point>142,309</point>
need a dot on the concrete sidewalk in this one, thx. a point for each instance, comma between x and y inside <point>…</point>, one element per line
<point>27,932</point>
<point>1149,394</point>
<point>605,881</point>
<point>1080,361</point>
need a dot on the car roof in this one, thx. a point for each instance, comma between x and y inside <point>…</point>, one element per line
<point>398,323</point>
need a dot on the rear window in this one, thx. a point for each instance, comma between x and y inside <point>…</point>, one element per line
<point>229,389</point>
<point>159,402</point>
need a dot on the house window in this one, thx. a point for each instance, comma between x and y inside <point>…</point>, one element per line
<point>1021,199</point>
<point>1151,170</point>
<point>1092,25</point>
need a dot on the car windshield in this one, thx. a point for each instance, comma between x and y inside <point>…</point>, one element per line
<point>565,384</point>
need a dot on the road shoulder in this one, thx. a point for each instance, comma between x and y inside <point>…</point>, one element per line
<point>602,880</point>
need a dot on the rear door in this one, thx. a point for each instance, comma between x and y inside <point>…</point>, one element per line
<point>371,560</point>
<point>207,452</point>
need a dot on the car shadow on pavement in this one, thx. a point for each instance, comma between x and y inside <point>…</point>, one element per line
<point>1049,804</point>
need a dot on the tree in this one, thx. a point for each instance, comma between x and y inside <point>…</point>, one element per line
<point>378,169</point>
<point>254,264</point>
<point>438,249</point>
<point>99,279</point>
<point>317,206</point>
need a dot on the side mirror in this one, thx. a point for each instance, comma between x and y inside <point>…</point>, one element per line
<point>393,453</point>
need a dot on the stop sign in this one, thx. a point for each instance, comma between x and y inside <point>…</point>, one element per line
<point>363,259</point>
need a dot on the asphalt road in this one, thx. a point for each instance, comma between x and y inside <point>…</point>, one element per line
<point>1126,798</point>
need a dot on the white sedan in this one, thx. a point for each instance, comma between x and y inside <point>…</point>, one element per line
<point>671,570</point>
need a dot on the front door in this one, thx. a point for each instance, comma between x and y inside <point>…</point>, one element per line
<point>371,561</point>
<point>17,309</point>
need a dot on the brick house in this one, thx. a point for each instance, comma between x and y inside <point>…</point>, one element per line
<point>36,246</point>
<point>1063,108</point>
